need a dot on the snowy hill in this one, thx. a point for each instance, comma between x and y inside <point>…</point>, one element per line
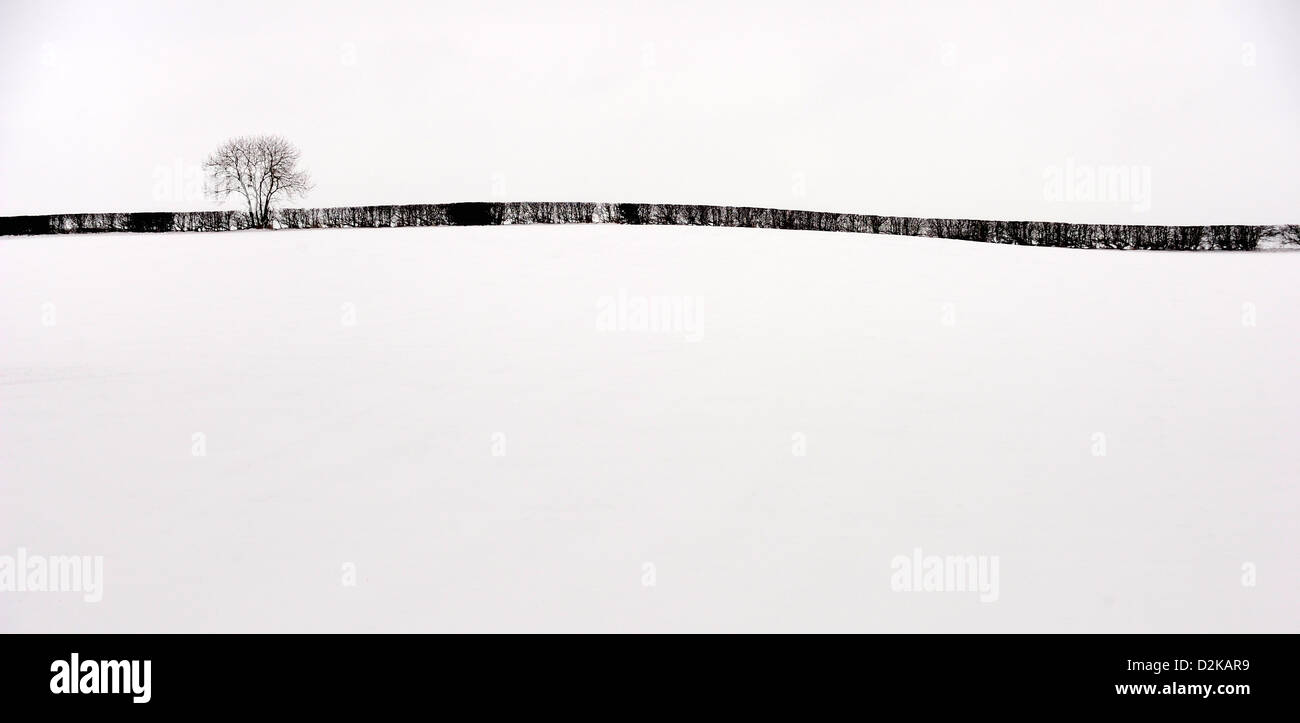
<point>645,428</point>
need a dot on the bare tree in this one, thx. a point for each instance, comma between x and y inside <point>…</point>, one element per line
<point>261,170</point>
<point>1288,233</point>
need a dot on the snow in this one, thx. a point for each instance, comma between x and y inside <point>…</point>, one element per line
<point>442,409</point>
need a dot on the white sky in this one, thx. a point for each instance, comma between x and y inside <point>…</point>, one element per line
<point>921,108</point>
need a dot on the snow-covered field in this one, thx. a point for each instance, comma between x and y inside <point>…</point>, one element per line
<point>473,421</point>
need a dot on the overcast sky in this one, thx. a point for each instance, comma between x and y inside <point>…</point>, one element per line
<point>966,109</point>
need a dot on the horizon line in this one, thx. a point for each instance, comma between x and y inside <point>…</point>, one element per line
<point>853,214</point>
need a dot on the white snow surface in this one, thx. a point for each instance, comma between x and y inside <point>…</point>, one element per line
<point>490,458</point>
